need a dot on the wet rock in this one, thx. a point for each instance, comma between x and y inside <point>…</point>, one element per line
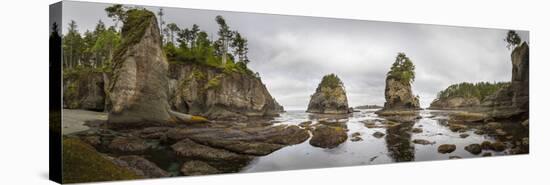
<point>378,134</point>
<point>486,154</point>
<point>500,132</point>
<point>371,124</point>
<point>128,144</point>
<point>144,166</point>
<point>328,136</point>
<point>498,146</point>
<point>305,124</point>
<point>479,132</point>
<point>468,117</point>
<point>464,135</point>
<point>188,149</point>
<point>457,127</point>
<point>355,134</point>
<point>423,142</point>
<point>473,148</point>
<point>242,147</point>
<point>486,145</point>
<point>357,138</point>
<point>454,157</point>
<point>194,167</point>
<point>417,130</point>
<point>329,97</point>
<point>92,140</point>
<point>446,148</point>
<point>493,125</point>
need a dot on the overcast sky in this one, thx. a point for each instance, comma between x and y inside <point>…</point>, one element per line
<point>292,53</point>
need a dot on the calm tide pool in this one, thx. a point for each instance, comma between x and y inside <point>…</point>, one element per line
<point>395,146</point>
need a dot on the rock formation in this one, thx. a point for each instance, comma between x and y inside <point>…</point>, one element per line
<point>329,97</point>
<point>513,101</point>
<point>139,85</point>
<point>213,93</point>
<point>84,90</point>
<point>455,103</point>
<point>399,95</point>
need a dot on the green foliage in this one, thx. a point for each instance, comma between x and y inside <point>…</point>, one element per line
<point>194,47</point>
<point>82,163</point>
<point>330,81</point>
<point>213,83</point>
<point>513,39</point>
<point>402,69</point>
<point>478,90</point>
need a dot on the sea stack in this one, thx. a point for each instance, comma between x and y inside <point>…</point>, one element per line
<point>329,97</point>
<point>398,92</point>
<point>139,84</point>
<point>513,101</point>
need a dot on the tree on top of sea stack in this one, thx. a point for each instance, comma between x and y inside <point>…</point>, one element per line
<point>329,97</point>
<point>398,92</point>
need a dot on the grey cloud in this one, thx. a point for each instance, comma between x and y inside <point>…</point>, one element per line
<point>292,53</point>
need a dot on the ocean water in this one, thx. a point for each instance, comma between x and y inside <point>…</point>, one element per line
<point>395,146</point>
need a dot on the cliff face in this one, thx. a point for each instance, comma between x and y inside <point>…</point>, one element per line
<point>139,85</point>
<point>454,103</point>
<point>399,95</point>
<point>84,90</point>
<point>210,92</point>
<point>513,100</point>
<point>329,97</point>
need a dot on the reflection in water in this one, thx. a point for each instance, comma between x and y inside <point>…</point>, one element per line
<point>398,142</point>
<point>395,146</point>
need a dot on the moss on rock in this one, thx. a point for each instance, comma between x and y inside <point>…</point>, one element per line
<point>82,163</point>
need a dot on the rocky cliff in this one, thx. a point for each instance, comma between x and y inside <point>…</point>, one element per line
<point>213,93</point>
<point>513,101</point>
<point>139,84</point>
<point>399,95</point>
<point>84,89</point>
<point>329,97</point>
<point>455,103</point>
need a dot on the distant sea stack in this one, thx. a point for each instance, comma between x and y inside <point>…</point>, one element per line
<point>139,84</point>
<point>513,101</point>
<point>398,92</point>
<point>329,97</point>
<point>211,92</point>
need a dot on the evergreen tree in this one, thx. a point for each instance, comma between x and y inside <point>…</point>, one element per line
<point>225,36</point>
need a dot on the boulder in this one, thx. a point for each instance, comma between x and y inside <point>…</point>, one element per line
<point>446,148</point>
<point>194,167</point>
<point>423,142</point>
<point>138,88</point>
<point>329,97</point>
<point>473,148</point>
<point>464,135</point>
<point>378,134</point>
<point>328,136</point>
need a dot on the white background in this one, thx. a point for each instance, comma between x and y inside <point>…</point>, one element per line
<point>24,90</point>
